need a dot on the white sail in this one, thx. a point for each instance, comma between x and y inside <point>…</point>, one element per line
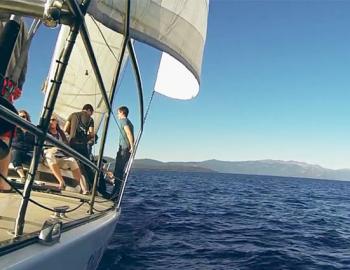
<point>175,27</point>
<point>174,80</point>
<point>79,85</point>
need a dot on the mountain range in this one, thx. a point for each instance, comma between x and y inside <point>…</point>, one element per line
<point>258,167</point>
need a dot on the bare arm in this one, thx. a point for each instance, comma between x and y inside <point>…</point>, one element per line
<point>130,137</point>
<point>91,133</point>
<point>67,127</point>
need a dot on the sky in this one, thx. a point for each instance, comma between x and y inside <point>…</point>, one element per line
<point>275,84</point>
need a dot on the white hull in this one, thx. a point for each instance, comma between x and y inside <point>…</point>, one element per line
<point>79,248</point>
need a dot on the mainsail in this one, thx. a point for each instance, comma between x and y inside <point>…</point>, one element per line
<point>79,85</point>
<point>177,28</point>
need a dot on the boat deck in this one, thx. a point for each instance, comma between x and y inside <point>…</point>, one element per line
<point>36,216</point>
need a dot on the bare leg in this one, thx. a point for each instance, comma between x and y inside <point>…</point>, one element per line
<point>77,176</point>
<point>20,172</point>
<point>4,168</point>
<point>57,173</point>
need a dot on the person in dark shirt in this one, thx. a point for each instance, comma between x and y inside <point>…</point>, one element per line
<point>80,127</point>
<point>22,146</point>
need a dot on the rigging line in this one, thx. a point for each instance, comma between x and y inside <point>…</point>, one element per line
<point>104,39</point>
<point>149,106</point>
<point>144,119</point>
<point>71,210</point>
<point>120,82</point>
<point>41,205</point>
<point>102,211</point>
<point>33,201</point>
<point>19,192</point>
<point>53,210</point>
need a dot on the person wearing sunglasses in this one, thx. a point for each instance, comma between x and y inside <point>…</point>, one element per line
<point>57,159</point>
<point>22,147</point>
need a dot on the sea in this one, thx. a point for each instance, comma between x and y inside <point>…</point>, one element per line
<point>177,220</point>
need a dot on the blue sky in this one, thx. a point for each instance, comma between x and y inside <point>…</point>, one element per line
<point>275,85</point>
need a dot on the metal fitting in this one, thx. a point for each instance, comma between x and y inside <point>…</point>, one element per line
<point>52,12</point>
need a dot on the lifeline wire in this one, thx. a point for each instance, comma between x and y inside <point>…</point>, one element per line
<point>35,202</point>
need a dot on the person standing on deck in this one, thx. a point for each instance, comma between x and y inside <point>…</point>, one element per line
<point>80,127</point>
<point>126,146</point>
<point>13,66</point>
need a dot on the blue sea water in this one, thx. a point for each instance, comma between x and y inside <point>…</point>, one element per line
<point>174,220</point>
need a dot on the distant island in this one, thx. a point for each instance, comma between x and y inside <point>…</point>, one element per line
<point>258,167</point>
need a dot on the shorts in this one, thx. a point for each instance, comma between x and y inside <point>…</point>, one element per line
<point>64,163</point>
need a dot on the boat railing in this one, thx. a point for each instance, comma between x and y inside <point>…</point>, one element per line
<point>38,132</point>
<point>77,25</point>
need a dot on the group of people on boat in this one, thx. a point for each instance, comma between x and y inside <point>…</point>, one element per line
<point>17,144</point>
<point>13,62</point>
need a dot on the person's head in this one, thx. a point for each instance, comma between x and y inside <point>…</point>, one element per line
<point>88,108</point>
<point>24,114</point>
<point>54,122</point>
<point>123,112</point>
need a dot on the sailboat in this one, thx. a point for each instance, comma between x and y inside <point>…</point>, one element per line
<point>43,229</point>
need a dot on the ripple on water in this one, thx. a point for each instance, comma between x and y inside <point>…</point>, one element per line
<point>222,221</point>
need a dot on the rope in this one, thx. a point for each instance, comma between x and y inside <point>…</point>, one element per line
<point>110,49</point>
<point>35,202</point>
<point>99,29</point>
<point>149,106</point>
<point>102,211</point>
<point>71,210</point>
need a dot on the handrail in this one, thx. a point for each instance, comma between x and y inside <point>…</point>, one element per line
<point>127,169</point>
<point>16,120</point>
<point>138,80</point>
<point>36,10</point>
<point>140,94</point>
<point>23,7</point>
<point>113,90</point>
